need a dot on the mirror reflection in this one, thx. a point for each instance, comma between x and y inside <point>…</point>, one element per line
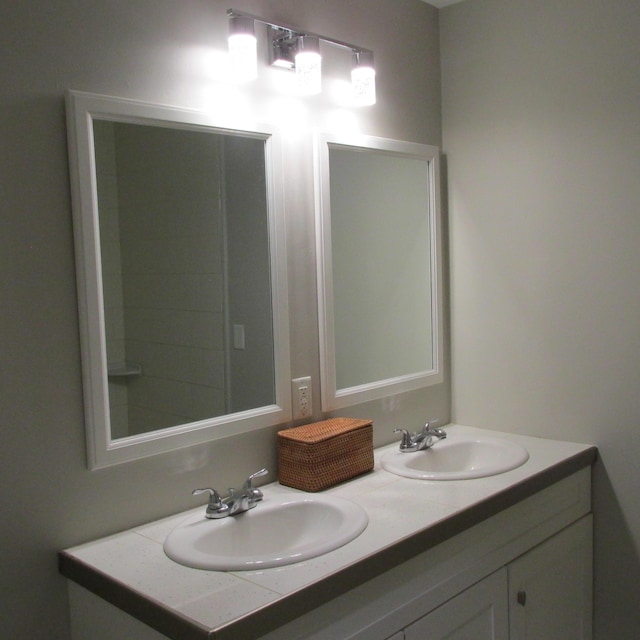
<point>185,264</point>
<point>379,269</point>
<point>179,231</point>
<point>381,266</point>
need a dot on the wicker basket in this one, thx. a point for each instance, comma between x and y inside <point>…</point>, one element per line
<point>318,455</point>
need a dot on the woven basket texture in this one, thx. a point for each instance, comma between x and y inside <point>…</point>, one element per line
<point>319,455</point>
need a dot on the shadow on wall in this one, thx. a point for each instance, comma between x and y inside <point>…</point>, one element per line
<point>615,556</point>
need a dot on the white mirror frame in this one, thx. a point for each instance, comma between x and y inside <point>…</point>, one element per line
<point>332,397</point>
<point>102,450</point>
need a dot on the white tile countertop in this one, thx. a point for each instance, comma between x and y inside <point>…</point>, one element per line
<point>131,570</point>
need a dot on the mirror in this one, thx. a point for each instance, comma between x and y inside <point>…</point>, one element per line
<point>181,277</point>
<point>379,268</point>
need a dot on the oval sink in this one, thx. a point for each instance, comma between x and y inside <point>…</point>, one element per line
<point>278,531</point>
<point>457,458</point>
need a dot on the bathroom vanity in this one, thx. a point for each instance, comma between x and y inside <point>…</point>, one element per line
<point>504,556</point>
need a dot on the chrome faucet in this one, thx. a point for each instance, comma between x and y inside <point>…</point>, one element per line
<point>238,500</point>
<point>424,439</point>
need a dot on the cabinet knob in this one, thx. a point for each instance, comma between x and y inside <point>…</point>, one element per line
<point>522,598</point>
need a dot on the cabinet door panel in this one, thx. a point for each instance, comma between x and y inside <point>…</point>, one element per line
<point>479,613</point>
<point>550,587</point>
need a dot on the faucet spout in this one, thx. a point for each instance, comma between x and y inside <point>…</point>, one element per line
<point>237,501</point>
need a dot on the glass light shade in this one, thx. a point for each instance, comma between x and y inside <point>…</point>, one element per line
<point>363,79</point>
<point>243,48</point>
<point>309,65</point>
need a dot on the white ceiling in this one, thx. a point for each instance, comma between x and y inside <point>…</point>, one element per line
<point>441,3</point>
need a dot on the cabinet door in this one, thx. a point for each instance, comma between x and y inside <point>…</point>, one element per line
<point>479,613</point>
<point>550,588</point>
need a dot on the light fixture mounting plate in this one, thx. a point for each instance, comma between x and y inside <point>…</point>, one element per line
<point>282,47</point>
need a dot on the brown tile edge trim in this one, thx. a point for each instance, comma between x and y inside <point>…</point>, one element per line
<point>286,609</point>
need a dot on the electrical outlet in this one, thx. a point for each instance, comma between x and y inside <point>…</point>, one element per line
<point>302,401</point>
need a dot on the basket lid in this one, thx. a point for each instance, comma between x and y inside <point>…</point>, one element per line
<point>319,431</point>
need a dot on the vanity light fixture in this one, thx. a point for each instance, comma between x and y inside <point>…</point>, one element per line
<point>294,49</point>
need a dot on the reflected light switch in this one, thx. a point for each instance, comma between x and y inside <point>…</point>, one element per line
<point>238,336</point>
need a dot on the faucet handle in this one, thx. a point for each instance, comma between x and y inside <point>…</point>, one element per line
<point>430,424</point>
<point>255,494</point>
<point>406,438</point>
<point>216,508</point>
<point>214,496</point>
<point>431,435</point>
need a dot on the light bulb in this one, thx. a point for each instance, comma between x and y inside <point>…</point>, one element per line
<point>363,79</point>
<point>309,65</point>
<point>243,48</point>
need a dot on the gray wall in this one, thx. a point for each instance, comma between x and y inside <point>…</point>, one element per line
<point>541,120</point>
<point>160,51</point>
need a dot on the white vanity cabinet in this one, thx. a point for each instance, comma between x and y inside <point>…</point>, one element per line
<point>550,593</point>
<point>502,558</point>
<point>544,594</point>
<point>478,613</point>
<point>467,587</point>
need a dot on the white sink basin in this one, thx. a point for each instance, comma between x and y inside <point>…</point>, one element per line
<point>280,530</point>
<point>458,457</point>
